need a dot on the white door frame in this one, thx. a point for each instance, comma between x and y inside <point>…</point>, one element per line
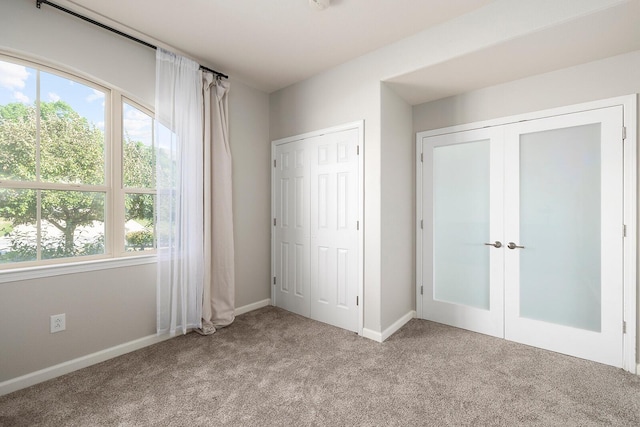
<point>359,125</point>
<point>629,104</point>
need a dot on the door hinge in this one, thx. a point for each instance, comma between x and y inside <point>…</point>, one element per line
<point>274,280</point>
<point>624,327</point>
<point>421,157</point>
<point>421,224</point>
<point>624,133</point>
<point>274,163</point>
<point>357,301</point>
<point>624,230</point>
<point>357,150</point>
<point>274,222</point>
<point>421,290</point>
<point>357,225</point>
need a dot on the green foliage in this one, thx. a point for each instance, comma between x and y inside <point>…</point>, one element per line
<point>17,142</point>
<point>15,111</point>
<point>138,164</point>
<point>5,228</point>
<point>71,151</point>
<point>139,207</point>
<point>140,239</point>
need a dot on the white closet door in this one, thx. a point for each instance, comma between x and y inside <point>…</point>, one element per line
<point>291,229</point>
<point>564,209</point>
<point>334,234</point>
<point>463,257</point>
<point>316,202</point>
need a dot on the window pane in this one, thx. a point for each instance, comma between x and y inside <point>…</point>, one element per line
<point>18,227</point>
<point>71,131</point>
<point>17,122</point>
<point>139,227</point>
<point>138,160</point>
<point>166,151</point>
<point>72,223</point>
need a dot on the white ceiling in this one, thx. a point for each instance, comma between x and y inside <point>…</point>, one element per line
<point>591,37</point>
<point>271,44</point>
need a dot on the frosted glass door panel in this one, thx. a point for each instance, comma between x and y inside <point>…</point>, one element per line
<point>462,186</point>
<point>461,223</point>
<point>560,225</point>
<point>564,210</point>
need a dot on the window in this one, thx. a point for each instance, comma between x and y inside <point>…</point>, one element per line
<point>63,197</point>
<point>138,177</point>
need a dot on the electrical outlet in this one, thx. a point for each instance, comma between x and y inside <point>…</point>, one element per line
<point>58,323</point>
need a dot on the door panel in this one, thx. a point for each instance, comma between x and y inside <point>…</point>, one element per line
<point>334,238</point>
<point>564,204</point>
<point>462,185</point>
<point>291,231</point>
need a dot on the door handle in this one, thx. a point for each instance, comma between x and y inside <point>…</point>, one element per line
<point>496,244</point>
<point>512,245</point>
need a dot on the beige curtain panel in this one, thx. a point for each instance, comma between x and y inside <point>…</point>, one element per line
<point>218,304</point>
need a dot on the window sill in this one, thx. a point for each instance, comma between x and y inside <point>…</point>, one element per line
<point>28,273</point>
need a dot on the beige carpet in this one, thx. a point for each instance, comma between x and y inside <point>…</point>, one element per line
<point>273,368</point>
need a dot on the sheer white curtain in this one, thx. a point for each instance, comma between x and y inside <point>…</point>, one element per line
<point>179,203</point>
<point>219,283</point>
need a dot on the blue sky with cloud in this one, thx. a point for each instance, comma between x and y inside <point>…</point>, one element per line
<point>18,84</point>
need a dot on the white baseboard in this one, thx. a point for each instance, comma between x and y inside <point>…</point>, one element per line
<point>372,335</point>
<point>382,336</point>
<point>638,369</point>
<point>51,372</point>
<point>254,306</point>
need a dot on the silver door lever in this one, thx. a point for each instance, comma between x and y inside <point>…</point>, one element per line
<point>496,244</point>
<point>512,245</point>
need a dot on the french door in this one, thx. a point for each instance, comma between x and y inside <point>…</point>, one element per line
<point>463,183</point>
<point>525,240</point>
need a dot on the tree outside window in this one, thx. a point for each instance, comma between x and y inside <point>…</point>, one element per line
<point>59,186</point>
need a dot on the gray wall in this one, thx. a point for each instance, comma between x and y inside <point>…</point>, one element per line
<point>114,306</point>
<point>398,209</point>
<point>352,91</point>
<point>251,151</point>
<point>342,95</point>
<point>607,78</point>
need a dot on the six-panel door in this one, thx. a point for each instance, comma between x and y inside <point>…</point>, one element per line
<point>316,201</point>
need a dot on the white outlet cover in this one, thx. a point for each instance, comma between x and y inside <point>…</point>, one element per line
<point>58,323</point>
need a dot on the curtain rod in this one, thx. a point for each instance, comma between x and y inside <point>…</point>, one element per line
<point>120,33</point>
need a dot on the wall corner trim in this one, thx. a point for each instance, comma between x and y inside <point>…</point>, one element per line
<point>382,336</point>
<point>253,306</point>
<point>372,335</point>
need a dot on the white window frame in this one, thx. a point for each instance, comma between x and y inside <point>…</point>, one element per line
<point>118,170</point>
<point>115,255</point>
